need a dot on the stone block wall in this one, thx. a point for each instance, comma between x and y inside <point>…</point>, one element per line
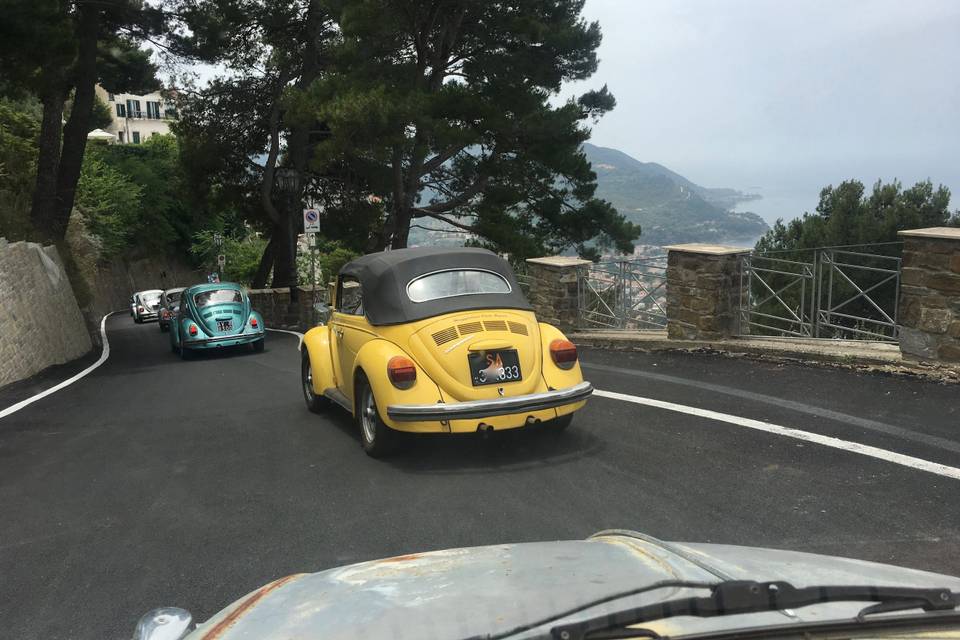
<point>703,291</point>
<point>279,312</point>
<point>929,307</point>
<point>553,290</point>
<point>40,322</point>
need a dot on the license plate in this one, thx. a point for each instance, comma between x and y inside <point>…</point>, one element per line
<point>224,325</point>
<point>494,367</point>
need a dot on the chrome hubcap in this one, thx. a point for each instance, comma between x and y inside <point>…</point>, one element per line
<point>308,383</point>
<point>368,416</point>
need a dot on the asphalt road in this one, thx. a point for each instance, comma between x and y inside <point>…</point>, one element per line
<point>159,482</point>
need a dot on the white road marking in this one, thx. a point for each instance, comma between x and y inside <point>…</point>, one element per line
<point>293,333</point>
<point>827,441</point>
<point>43,394</point>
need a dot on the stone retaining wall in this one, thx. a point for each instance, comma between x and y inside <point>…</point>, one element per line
<point>40,322</point>
<point>279,312</point>
<point>929,308</point>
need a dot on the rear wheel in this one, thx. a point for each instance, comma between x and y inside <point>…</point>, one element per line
<point>376,437</point>
<point>257,346</point>
<point>185,354</point>
<point>315,403</point>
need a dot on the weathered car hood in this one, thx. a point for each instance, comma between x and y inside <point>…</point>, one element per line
<point>463,593</point>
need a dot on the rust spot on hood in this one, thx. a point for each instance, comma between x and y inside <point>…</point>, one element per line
<point>218,630</point>
<point>410,556</point>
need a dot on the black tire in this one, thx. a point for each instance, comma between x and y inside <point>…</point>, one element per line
<point>257,346</point>
<point>163,327</point>
<point>377,439</point>
<point>185,354</point>
<point>558,425</point>
<point>315,403</point>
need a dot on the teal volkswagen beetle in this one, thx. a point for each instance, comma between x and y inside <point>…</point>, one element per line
<point>213,316</point>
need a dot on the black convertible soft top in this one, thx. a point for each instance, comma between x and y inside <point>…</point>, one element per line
<point>384,278</point>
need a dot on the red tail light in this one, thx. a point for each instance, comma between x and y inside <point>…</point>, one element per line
<point>253,322</point>
<point>402,372</point>
<point>564,353</point>
<point>193,329</point>
<point>140,309</point>
<point>165,314</point>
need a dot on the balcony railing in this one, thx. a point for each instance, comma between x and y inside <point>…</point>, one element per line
<point>141,115</point>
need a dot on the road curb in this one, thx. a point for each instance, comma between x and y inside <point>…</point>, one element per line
<point>862,356</point>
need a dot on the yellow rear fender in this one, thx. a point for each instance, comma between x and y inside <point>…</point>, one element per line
<point>554,376</point>
<point>372,362</point>
<point>316,343</point>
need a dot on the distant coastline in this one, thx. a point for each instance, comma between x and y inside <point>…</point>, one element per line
<point>772,203</point>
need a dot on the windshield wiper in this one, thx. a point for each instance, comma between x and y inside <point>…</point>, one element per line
<point>747,596</point>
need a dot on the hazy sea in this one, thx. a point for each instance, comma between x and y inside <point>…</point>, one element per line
<point>780,203</point>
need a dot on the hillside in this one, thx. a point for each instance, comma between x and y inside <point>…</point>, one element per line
<point>668,206</point>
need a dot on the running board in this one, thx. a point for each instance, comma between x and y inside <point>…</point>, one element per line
<point>337,396</point>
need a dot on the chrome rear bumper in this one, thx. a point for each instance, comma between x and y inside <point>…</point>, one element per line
<point>489,408</point>
<point>251,337</point>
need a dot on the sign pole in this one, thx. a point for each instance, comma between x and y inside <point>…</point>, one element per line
<point>311,226</point>
<point>221,259</point>
<point>313,280</point>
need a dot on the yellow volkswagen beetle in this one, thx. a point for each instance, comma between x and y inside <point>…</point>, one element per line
<point>438,341</point>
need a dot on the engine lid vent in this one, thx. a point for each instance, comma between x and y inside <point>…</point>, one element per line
<point>470,327</point>
<point>445,336</point>
<point>495,325</point>
<point>516,327</point>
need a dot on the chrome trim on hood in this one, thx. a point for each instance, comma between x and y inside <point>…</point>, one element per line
<point>666,546</point>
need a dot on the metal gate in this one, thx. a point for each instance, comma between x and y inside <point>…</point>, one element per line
<point>833,292</point>
<point>623,294</point>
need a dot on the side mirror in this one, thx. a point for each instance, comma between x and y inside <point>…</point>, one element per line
<point>166,623</point>
<point>323,313</point>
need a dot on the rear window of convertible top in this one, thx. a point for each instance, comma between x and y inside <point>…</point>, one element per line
<point>217,296</point>
<point>455,282</point>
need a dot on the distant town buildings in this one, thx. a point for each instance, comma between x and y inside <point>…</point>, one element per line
<point>136,118</point>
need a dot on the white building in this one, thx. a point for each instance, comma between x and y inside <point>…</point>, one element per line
<point>136,118</point>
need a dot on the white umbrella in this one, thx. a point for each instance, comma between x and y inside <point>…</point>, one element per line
<point>100,134</point>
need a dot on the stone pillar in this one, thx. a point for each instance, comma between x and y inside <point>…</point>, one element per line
<point>553,290</point>
<point>703,291</point>
<point>929,306</point>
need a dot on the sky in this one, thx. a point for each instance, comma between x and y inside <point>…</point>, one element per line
<point>782,98</point>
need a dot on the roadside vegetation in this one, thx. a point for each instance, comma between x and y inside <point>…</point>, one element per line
<point>384,115</point>
<point>848,215</point>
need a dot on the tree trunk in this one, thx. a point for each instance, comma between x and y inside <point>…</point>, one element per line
<point>42,211</point>
<point>266,261</point>
<point>401,231</point>
<point>285,258</point>
<point>78,126</point>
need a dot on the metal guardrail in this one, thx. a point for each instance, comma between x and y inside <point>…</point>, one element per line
<point>623,294</point>
<point>836,292</point>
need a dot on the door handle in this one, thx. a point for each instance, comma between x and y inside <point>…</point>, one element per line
<point>339,333</point>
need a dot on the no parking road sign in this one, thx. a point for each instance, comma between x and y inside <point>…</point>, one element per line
<point>311,221</point>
